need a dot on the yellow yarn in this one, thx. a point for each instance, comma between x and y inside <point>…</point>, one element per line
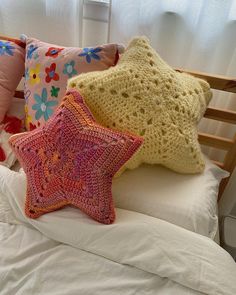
<point>145,96</point>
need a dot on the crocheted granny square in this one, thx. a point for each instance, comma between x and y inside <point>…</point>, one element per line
<point>144,95</point>
<point>71,161</point>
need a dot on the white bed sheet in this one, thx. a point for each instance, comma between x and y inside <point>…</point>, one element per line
<point>32,264</point>
<point>66,252</point>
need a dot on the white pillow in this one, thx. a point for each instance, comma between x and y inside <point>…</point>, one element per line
<point>189,201</point>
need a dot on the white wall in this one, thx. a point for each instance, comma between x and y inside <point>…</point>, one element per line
<point>95,23</point>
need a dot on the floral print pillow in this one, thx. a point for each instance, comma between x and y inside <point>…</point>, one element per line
<point>47,68</point>
<point>12,59</point>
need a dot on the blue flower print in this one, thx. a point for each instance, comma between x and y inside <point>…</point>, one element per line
<point>43,107</point>
<point>6,48</point>
<point>69,69</point>
<point>31,50</point>
<point>26,74</point>
<point>91,53</point>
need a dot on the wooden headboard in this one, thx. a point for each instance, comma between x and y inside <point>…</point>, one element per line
<point>226,84</point>
<point>222,143</point>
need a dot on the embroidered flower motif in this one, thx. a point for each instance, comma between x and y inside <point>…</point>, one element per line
<point>54,91</point>
<point>6,48</point>
<point>69,69</point>
<point>26,74</point>
<point>90,53</point>
<point>43,106</point>
<point>51,74</point>
<point>28,120</point>
<point>53,51</point>
<point>27,92</point>
<point>34,75</point>
<point>30,51</point>
<point>36,55</point>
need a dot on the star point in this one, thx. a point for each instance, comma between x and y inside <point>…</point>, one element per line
<point>71,161</point>
<point>144,95</point>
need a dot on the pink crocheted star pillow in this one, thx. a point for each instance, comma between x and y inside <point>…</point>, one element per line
<point>71,160</point>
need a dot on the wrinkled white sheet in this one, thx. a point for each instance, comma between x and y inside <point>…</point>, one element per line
<point>141,254</point>
<point>32,264</point>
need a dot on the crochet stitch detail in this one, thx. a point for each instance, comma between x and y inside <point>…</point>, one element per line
<point>71,161</point>
<point>145,96</point>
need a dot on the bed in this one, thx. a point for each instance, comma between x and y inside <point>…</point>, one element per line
<point>68,253</point>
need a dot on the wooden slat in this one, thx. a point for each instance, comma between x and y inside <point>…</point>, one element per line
<point>215,141</point>
<point>221,115</point>
<point>230,157</point>
<point>216,81</point>
<point>229,165</point>
<point>19,94</point>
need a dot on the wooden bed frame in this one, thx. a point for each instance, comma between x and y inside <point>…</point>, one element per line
<point>227,144</point>
<point>227,84</point>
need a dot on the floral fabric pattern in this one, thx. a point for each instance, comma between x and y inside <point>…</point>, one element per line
<point>69,69</point>
<point>43,107</point>
<point>6,48</point>
<point>47,69</point>
<point>31,50</point>
<point>34,75</point>
<point>28,120</point>
<point>54,91</point>
<point>36,55</point>
<point>51,73</point>
<point>91,53</point>
<point>26,74</point>
<point>53,51</point>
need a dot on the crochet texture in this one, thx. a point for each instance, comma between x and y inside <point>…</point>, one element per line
<point>145,96</point>
<point>71,160</point>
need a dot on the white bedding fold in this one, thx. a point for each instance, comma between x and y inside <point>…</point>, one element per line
<point>32,264</point>
<point>138,240</point>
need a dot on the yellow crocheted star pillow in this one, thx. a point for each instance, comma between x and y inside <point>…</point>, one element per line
<point>145,96</point>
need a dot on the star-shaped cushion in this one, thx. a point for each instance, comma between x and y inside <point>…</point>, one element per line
<point>71,161</point>
<point>144,95</point>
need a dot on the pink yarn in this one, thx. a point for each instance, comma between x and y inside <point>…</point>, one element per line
<point>71,160</point>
